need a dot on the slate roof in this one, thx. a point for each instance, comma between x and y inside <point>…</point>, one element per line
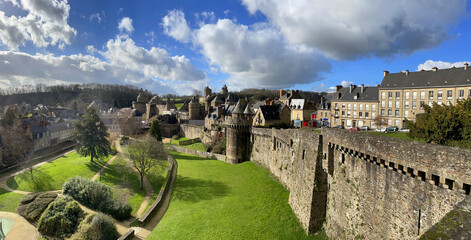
<point>239,109</point>
<point>369,94</point>
<point>297,103</point>
<point>440,78</point>
<point>57,127</point>
<point>232,98</point>
<point>217,99</point>
<point>271,112</point>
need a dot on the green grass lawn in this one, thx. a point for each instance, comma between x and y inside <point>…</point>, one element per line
<point>197,146</point>
<point>157,177</point>
<point>215,200</point>
<point>51,176</point>
<point>400,135</point>
<point>9,201</point>
<point>178,105</point>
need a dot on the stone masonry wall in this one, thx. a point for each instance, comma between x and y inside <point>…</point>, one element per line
<point>191,131</point>
<point>385,188</point>
<point>292,157</point>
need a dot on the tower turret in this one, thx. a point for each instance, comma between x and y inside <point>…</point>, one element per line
<point>194,109</point>
<point>238,133</point>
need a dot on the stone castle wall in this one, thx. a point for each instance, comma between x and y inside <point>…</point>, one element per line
<point>191,131</point>
<point>385,188</point>
<point>292,157</point>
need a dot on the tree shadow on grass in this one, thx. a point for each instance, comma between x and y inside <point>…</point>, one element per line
<point>41,181</point>
<point>195,190</point>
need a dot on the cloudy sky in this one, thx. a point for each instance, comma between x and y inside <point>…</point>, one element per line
<point>177,46</point>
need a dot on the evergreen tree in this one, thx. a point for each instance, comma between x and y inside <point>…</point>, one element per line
<point>91,136</point>
<point>9,117</point>
<point>155,131</point>
<point>442,124</point>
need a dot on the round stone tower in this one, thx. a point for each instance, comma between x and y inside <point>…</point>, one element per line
<point>224,91</point>
<point>194,109</point>
<point>238,133</point>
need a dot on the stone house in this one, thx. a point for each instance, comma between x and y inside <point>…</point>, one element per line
<point>274,114</point>
<point>60,132</point>
<point>286,96</point>
<point>301,110</point>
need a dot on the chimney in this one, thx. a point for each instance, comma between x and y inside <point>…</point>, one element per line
<point>434,69</point>
<point>466,66</point>
<point>282,92</point>
<point>386,73</point>
<point>351,88</point>
<point>407,72</point>
<point>338,87</point>
<point>362,88</point>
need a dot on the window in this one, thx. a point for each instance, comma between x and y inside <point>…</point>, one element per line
<point>422,103</point>
<point>449,94</point>
<point>430,94</point>
<point>439,103</point>
<point>398,95</point>
<point>430,104</point>
<point>469,93</point>
<point>360,107</point>
<point>336,105</point>
<point>383,104</point>
<point>407,95</point>
<point>389,112</point>
<point>397,104</point>
<point>383,95</point>
<point>367,107</point>
<point>348,114</point>
<point>439,94</point>
<point>422,95</point>
<point>448,103</point>
<point>354,114</point>
<point>373,115</point>
<point>396,122</point>
<point>354,106</point>
<point>297,116</point>
<point>390,95</point>
<point>349,106</point>
<point>461,94</point>
<point>382,112</point>
<point>414,95</point>
<point>343,105</point>
<point>390,104</point>
<point>343,113</point>
<point>389,122</point>
<point>360,114</point>
<point>366,115</point>
<point>373,107</point>
<point>321,114</point>
<point>414,104</point>
<point>396,113</point>
<point>406,113</point>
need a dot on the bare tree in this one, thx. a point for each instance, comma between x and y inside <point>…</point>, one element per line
<point>17,144</point>
<point>127,124</point>
<point>146,154</point>
<point>380,121</point>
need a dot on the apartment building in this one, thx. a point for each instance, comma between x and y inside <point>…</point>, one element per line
<point>324,111</point>
<point>402,95</point>
<point>354,106</point>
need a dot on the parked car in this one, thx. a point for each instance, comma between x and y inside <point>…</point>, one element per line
<point>404,130</point>
<point>364,128</point>
<point>339,126</point>
<point>354,129</point>
<point>380,130</point>
<point>348,127</point>
<point>392,129</point>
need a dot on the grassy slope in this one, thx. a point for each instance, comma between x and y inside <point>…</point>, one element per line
<point>400,135</point>
<point>51,176</point>
<point>178,105</point>
<point>124,182</point>
<point>215,200</point>
<point>9,201</point>
<point>197,146</point>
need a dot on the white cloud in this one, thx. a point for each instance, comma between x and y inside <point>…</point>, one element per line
<point>429,64</point>
<point>343,29</point>
<point>91,49</point>
<point>126,25</point>
<point>151,36</point>
<point>204,17</point>
<point>44,24</point>
<point>98,16</point>
<point>346,83</point>
<point>175,26</point>
<point>258,56</point>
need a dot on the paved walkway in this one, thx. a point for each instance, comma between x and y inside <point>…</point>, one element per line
<point>22,229</point>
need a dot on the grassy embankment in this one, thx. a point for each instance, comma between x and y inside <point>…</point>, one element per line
<point>215,200</point>
<point>51,176</point>
<point>197,146</point>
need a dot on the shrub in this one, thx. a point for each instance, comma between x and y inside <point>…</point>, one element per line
<point>33,205</point>
<point>113,151</point>
<point>124,140</point>
<point>61,218</point>
<point>97,196</point>
<point>96,227</point>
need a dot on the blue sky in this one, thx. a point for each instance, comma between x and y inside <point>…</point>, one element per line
<point>179,46</point>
